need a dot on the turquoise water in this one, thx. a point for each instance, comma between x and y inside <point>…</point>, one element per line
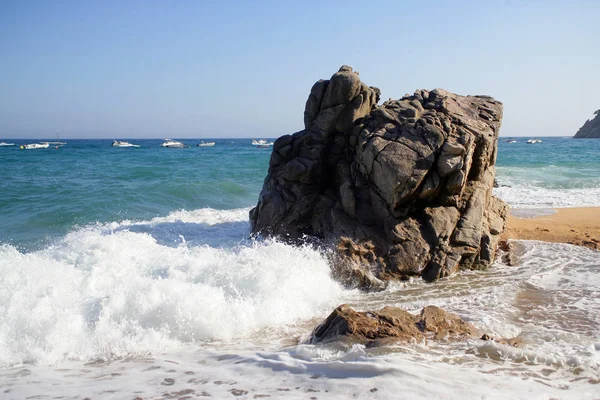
<point>556,163</point>
<point>559,172</point>
<point>141,257</point>
<point>46,193</point>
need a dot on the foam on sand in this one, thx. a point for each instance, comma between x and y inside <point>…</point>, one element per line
<point>291,374</point>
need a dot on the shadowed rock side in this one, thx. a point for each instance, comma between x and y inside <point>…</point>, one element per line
<point>591,128</point>
<point>401,189</point>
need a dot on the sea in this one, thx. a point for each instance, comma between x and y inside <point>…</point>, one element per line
<point>130,273</point>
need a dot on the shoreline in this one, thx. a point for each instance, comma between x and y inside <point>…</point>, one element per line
<point>578,226</point>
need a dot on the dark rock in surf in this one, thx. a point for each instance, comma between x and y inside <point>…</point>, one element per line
<point>401,189</point>
<point>389,325</point>
<point>591,128</point>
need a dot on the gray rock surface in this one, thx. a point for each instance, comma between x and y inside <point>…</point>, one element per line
<point>591,128</point>
<point>400,189</point>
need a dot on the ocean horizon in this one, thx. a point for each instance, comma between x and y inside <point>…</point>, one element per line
<point>171,136</point>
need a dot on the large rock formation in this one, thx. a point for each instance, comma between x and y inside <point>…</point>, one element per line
<point>591,128</point>
<point>402,189</point>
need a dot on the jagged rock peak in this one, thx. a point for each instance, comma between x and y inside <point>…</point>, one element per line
<point>399,189</point>
<point>335,104</point>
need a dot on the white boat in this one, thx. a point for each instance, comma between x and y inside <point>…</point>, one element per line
<point>511,141</point>
<point>120,143</point>
<point>206,144</point>
<point>57,143</point>
<point>34,146</point>
<point>533,141</point>
<point>174,144</point>
<point>261,143</point>
<point>4,144</point>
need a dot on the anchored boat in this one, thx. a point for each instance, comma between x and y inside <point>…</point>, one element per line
<point>174,144</point>
<point>35,146</point>
<point>261,143</point>
<point>120,143</point>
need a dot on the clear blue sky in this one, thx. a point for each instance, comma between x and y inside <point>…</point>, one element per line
<point>245,68</point>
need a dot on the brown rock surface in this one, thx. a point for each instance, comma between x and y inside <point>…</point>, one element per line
<point>400,189</point>
<point>391,324</point>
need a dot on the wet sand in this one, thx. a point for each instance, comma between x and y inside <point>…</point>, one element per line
<point>579,226</point>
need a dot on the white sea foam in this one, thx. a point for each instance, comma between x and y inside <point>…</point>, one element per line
<point>548,186</point>
<point>173,311</point>
<point>539,197</point>
<point>294,374</point>
<point>138,288</point>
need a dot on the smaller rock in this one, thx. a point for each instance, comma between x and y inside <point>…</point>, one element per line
<point>390,325</point>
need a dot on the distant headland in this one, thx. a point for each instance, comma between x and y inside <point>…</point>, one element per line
<point>591,128</point>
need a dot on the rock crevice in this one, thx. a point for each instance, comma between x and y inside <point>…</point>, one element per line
<point>403,188</point>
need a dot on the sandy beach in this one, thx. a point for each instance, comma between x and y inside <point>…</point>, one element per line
<point>579,226</point>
